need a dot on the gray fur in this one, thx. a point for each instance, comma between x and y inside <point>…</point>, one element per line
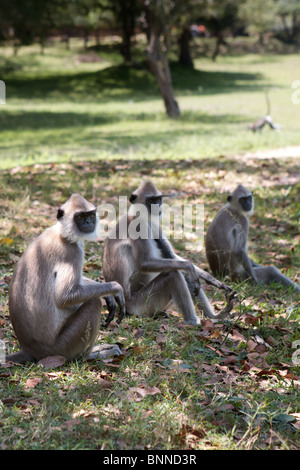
<point>54,310</point>
<point>148,269</point>
<point>226,245</point>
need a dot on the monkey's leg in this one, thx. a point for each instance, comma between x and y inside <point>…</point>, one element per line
<point>255,265</point>
<point>20,357</point>
<point>156,295</point>
<point>270,273</point>
<point>204,305</point>
<point>79,334</point>
<point>76,337</point>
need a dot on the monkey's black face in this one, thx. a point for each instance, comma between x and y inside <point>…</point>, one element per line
<point>153,204</point>
<point>157,200</point>
<point>85,221</point>
<point>246,203</point>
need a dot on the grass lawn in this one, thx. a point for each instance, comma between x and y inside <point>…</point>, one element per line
<point>98,128</point>
<point>59,109</point>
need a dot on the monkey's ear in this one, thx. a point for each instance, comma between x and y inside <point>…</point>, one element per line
<point>60,213</point>
<point>229,198</point>
<point>132,198</point>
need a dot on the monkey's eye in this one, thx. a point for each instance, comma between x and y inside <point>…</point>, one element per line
<point>245,198</point>
<point>155,200</point>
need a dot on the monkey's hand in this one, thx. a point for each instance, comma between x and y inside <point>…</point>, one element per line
<point>121,303</point>
<point>194,278</point>
<point>209,279</point>
<point>228,290</point>
<point>112,308</point>
<point>111,302</point>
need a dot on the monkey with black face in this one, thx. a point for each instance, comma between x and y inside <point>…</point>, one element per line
<point>226,243</point>
<point>54,310</point>
<point>146,266</point>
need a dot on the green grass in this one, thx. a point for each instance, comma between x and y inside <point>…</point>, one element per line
<point>99,128</point>
<point>59,111</point>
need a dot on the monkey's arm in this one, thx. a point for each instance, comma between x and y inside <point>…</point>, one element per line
<point>248,265</point>
<point>73,293</point>
<point>111,301</point>
<point>145,261</point>
<point>209,279</point>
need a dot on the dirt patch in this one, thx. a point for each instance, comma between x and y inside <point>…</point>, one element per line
<point>286,152</point>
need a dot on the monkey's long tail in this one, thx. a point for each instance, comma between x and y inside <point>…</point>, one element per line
<point>20,357</point>
<point>268,102</point>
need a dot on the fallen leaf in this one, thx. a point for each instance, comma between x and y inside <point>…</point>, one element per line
<point>251,345</point>
<point>52,361</point>
<point>31,383</point>
<point>249,319</point>
<point>138,393</point>
<point>176,364</point>
<point>296,425</point>
<point>261,348</point>
<point>271,341</point>
<point>33,402</point>
<point>160,338</point>
<point>138,333</point>
<point>104,383</point>
<point>237,336</point>
<point>6,241</point>
<point>230,359</point>
<point>54,375</point>
<point>10,400</point>
<point>71,423</point>
<point>218,351</point>
<point>281,373</point>
<point>215,335</point>
<point>207,324</point>
<point>188,431</point>
<point>84,413</point>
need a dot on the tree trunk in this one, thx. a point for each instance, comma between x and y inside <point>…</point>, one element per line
<point>127,18</point>
<point>184,48</point>
<point>219,42</point>
<point>159,66</point>
<point>295,28</point>
<point>125,48</point>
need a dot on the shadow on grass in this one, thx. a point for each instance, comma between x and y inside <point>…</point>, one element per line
<point>59,120</point>
<point>127,82</point>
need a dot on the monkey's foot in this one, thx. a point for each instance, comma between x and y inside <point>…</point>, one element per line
<point>104,351</point>
<point>193,321</point>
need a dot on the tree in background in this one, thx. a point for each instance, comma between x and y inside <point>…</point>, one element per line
<point>155,18</point>
<point>188,13</point>
<point>289,13</point>
<point>258,17</point>
<point>26,22</point>
<point>163,22</point>
<point>221,16</point>
<point>126,13</point>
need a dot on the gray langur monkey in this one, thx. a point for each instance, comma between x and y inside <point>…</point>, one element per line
<point>226,243</point>
<point>267,119</point>
<point>54,310</point>
<point>140,258</point>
